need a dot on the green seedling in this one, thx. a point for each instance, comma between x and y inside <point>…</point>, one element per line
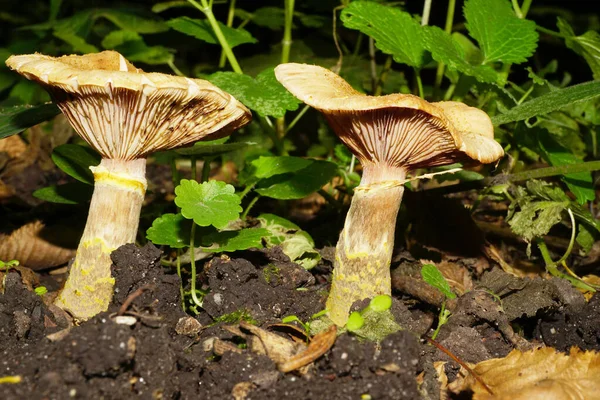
<point>355,322</point>
<point>434,277</point>
<point>41,290</point>
<point>308,325</point>
<point>375,321</point>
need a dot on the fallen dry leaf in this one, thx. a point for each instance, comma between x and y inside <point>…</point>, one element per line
<point>540,374</point>
<point>319,345</point>
<point>442,379</point>
<point>27,245</point>
<point>457,276</point>
<point>277,348</point>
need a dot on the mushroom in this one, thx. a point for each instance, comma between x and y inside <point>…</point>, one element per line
<point>125,114</point>
<point>390,135</point>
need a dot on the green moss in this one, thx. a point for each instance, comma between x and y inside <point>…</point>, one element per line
<point>237,316</point>
<point>271,272</point>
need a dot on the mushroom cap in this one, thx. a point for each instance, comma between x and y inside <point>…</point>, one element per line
<point>125,113</point>
<point>401,130</point>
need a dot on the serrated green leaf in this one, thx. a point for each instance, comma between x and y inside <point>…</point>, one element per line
<point>132,21</point>
<point>78,43</point>
<point>211,149</point>
<point>299,184</point>
<point>434,277</point>
<point>210,203</point>
<point>580,184</point>
<point>133,47</point>
<point>266,167</point>
<point>279,228</point>
<point>170,229</point>
<point>14,120</point>
<point>536,218</point>
<point>228,241</point>
<point>75,161</point>
<point>201,29</point>
<point>549,102</point>
<point>586,45</point>
<point>502,36</point>
<point>69,193</point>
<point>265,94</point>
<point>585,238</point>
<point>395,32</point>
<point>445,49</point>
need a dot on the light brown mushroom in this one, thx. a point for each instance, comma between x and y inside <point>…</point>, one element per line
<point>125,114</point>
<point>390,135</point>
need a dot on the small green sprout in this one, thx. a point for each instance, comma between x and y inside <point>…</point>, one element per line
<point>7,265</point>
<point>434,277</point>
<point>381,303</point>
<point>355,321</point>
<point>41,290</point>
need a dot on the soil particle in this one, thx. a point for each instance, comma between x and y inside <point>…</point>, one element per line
<point>576,327</point>
<point>267,293</point>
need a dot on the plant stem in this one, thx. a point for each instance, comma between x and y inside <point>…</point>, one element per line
<point>195,298</point>
<point>286,43</point>
<point>113,219</point>
<point>439,73</point>
<point>426,12</point>
<point>297,118</point>
<point>553,270</point>
<point>194,168</point>
<point>383,75</point>
<point>174,68</point>
<point>364,249</point>
<point>551,33</point>
<point>230,16</point>
<point>206,168</point>
<point>525,7</point>
<point>206,8</point>
<point>246,190</point>
<point>249,207</point>
<point>419,83</point>
<point>181,291</point>
<point>372,65</point>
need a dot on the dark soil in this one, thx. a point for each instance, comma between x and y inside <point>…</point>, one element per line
<point>161,352</point>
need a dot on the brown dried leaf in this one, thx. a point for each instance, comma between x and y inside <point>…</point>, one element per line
<point>442,379</point>
<point>535,375</point>
<point>320,344</point>
<point>277,348</point>
<point>27,245</point>
<point>14,146</point>
<point>457,276</point>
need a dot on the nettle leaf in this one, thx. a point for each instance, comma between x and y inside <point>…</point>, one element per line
<point>234,240</point>
<point>445,49</point>
<point>434,277</point>
<point>75,161</point>
<point>68,193</point>
<point>266,167</point>
<point>586,45</point>
<point>265,94</point>
<point>279,228</point>
<point>210,203</point>
<point>15,120</point>
<point>502,36</point>
<point>171,230</point>
<point>298,184</point>
<point>133,47</point>
<point>201,29</point>
<point>581,183</point>
<point>395,32</point>
<point>549,102</point>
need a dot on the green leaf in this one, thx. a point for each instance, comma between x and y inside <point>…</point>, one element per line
<point>300,248</point>
<point>586,45</point>
<point>212,149</point>
<point>170,229</point>
<point>15,120</point>
<point>201,29</point>
<point>133,47</point>
<point>132,21</point>
<point>266,167</point>
<point>269,17</point>
<point>75,160</point>
<point>299,184</point>
<point>265,94</point>
<point>445,49</point>
<point>501,35</point>
<point>395,32</point>
<point>580,184</point>
<point>434,277</point>
<point>279,228</point>
<point>585,238</point>
<point>549,102</point>
<point>536,218</point>
<point>210,203</point>
<point>69,193</point>
<point>164,6</point>
<point>235,240</point>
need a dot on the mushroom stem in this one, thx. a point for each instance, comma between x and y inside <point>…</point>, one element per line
<point>113,219</point>
<point>364,250</point>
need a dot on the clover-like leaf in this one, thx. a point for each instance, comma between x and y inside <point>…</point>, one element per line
<point>170,229</point>
<point>210,203</point>
<point>265,94</point>
<point>235,240</point>
<point>501,35</point>
<point>266,167</point>
<point>201,29</point>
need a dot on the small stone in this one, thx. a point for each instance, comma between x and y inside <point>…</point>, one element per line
<point>22,323</point>
<point>188,326</point>
<point>125,320</point>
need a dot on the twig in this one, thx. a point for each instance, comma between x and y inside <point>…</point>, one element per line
<point>133,296</point>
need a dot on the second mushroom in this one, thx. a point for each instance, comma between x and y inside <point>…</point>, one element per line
<point>125,114</point>
<point>390,135</point>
